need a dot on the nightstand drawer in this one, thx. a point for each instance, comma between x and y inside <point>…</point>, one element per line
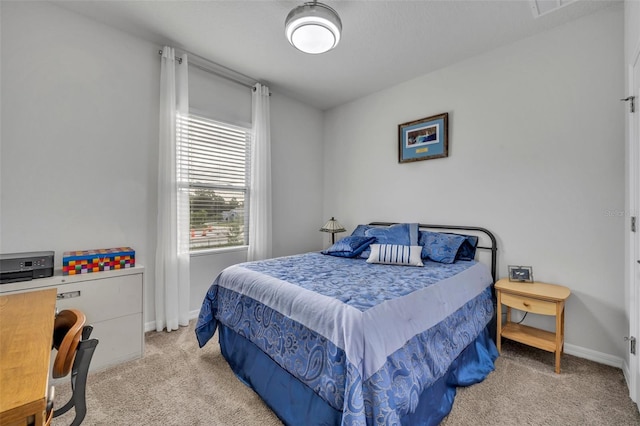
<point>527,304</point>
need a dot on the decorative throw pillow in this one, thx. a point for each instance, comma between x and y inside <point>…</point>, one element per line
<point>440,247</point>
<point>394,254</point>
<point>350,246</point>
<point>360,230</point>
<point>405,234</point>
<point>468,247</point>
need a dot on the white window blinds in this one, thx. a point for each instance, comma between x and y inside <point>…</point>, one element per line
<point>215,164</point>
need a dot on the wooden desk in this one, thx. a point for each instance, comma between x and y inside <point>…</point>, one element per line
<point>26,334</point>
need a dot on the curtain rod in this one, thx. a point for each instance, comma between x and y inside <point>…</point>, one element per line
<point>217,69</point>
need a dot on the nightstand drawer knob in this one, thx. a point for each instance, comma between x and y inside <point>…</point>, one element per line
<point>526,304</point>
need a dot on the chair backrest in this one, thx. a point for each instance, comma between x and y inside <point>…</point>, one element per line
<point>67,331</point>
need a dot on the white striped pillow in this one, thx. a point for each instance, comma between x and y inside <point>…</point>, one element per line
<point>394,254</point>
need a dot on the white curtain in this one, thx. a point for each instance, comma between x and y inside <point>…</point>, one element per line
<point>172,249</point>
<point>260,188</point>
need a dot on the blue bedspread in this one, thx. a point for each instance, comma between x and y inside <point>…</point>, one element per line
<point>367,338</point>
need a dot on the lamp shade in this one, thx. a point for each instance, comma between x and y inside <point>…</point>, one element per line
<point>313,28</point>
<point>333,226</point>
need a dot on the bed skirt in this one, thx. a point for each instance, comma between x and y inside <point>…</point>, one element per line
<point>295,403</point>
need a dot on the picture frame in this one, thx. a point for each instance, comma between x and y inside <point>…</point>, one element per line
<point>424,139</point>
<point>523,274</point>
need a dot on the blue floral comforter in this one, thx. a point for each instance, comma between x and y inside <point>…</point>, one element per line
<point>367,338</point>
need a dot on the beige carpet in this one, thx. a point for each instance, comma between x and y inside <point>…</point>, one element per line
<point>178,384</point>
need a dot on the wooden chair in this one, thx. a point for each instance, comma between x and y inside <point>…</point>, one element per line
<point>75,350</point>
<point>67,331</point>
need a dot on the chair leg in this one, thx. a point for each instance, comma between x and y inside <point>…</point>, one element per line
<point>79,375</point>
<point>66,407</point>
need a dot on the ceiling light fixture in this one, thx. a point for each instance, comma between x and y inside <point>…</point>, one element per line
<point>313,28</point>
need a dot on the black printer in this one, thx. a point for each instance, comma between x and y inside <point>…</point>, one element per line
<point>25,266</point>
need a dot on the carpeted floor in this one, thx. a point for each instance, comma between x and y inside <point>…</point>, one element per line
<point>176,383</point>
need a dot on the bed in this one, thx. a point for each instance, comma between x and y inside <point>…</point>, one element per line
<point>341,339</point>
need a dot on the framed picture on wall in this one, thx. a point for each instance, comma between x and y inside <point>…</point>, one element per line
<point>424,139</point>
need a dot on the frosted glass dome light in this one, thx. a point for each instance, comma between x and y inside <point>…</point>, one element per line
<point>313,28</point>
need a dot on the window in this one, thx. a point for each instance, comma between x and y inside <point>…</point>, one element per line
<point>215,162</point>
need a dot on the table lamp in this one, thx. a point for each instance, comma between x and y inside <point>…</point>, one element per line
<point>334,227</point>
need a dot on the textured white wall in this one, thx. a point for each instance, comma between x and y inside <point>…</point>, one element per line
<point>631,27</point>
<point>79,114</point>
<point>219,98</point>
<point>296,173</point>
<point>78,144</point>
<point>536,155</point>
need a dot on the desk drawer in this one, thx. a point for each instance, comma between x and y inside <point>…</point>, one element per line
<point>522,303</point>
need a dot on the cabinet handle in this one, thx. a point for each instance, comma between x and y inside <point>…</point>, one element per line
<point>68,295</point>
<point>525,304</point>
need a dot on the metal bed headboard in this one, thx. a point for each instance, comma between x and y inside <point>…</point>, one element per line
<point>493,248</point>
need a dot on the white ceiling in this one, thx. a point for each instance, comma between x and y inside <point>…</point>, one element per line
<point>383,42</point>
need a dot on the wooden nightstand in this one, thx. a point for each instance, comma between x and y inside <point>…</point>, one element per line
<point>537,298</point>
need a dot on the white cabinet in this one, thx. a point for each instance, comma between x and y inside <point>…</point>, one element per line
<point>112,302</point>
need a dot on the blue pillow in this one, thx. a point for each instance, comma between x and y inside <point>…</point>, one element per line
<point>349,246</point>
<point>360,230</point>
<point>440,247</point>
<point>403,234</point>
<point>467,250</point>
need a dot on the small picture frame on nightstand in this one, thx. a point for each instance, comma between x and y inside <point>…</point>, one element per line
<point>523,274</point>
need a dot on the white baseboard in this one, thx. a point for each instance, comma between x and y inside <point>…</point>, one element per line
<point>151,325</point>
<point>627,378</point>
<point>194,314</point>
<point>591,355</point>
